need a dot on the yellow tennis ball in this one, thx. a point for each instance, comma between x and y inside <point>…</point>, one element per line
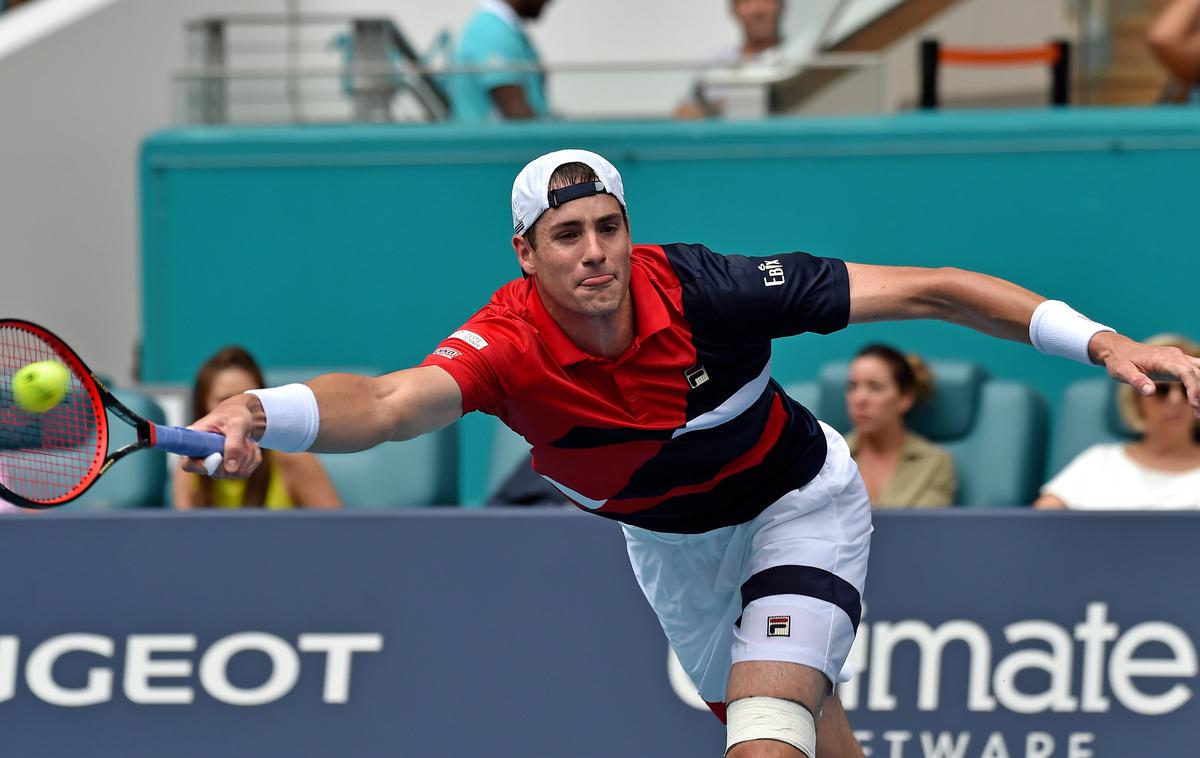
<point>40,386</point>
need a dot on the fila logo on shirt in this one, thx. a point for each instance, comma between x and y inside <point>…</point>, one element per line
<point>774,270</point>
<point>779,626</point>
<point>696,375</point>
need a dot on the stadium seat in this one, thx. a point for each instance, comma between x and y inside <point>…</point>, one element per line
<point>507,450</point>
<point>414,473</point>
<point>996,430</point>
<point>805,393</point>
<point>138,480</point>
<point>1087,415</point>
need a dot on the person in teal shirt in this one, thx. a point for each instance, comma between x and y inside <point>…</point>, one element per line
<point>495,36</point>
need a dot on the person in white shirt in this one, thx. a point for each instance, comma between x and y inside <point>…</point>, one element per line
<point>759,20</point>
<point>1159,470</point>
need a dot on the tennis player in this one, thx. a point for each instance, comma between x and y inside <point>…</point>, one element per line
<point>641,375</point>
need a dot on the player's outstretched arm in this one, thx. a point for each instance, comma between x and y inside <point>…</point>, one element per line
<point>359,412</point>
<point>1003,309</point>
<point>331,413</point>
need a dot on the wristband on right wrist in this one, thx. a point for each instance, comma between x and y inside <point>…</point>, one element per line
<point>293,419</point>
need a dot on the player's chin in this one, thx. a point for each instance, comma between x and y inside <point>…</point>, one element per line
<point>600,304</point>
<point>599,300</point>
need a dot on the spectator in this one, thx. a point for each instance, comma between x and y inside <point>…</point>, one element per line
<point>1161,469</point>
<point>901,469</point>
<point>1174,36</point>
<point>759,20</point>
<point>495,37</point>
<point>285,480</point>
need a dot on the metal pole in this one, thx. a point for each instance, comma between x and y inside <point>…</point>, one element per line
<point>1060,85</point>
<point>929,73</point>
<point>372,92</point>
<point>213,99</point>
<point>293,61</point>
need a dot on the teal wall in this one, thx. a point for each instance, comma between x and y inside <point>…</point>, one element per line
<point>368,244</point>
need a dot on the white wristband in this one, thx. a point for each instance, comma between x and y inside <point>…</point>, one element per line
<point>1058,329</point>
<point>292,417</point>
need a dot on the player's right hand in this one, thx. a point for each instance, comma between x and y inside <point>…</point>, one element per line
<point>235,418</point>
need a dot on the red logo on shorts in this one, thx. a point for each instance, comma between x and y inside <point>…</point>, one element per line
<point>779,626</point>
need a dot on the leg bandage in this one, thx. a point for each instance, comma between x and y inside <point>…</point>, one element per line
<point>771,718</point>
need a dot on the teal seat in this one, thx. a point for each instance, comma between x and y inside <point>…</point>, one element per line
<point>138,480</point>
<point>807,394</point>
<point>994,429</point>
<point>414,473</point>
<point>1087,415</point>
<point>507,450</point>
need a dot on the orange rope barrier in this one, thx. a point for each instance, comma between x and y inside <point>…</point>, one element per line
<point>1013,56</point>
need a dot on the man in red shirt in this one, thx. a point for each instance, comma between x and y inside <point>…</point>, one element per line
<point>641,377</point>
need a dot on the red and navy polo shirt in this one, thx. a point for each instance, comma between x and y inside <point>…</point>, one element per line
<point>686,431</point>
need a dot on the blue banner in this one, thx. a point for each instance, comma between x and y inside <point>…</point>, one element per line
<point>518,633</point>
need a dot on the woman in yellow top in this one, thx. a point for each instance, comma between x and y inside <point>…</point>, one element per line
<point>284,480</point>
<point>900,468</point>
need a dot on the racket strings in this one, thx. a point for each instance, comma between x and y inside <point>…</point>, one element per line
<point>44,456</point>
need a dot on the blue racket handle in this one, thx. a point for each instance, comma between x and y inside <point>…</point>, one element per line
<point>187,442</point>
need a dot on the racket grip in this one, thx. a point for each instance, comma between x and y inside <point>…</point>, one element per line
<point>187,442</point>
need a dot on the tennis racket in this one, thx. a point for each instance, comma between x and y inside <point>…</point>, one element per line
<point>49,459</point>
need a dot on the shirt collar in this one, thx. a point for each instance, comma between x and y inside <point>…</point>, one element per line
<point>648,305</point>
<point>502,10</point>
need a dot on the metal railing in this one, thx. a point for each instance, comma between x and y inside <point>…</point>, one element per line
<point>377,64</point>
<point>297,69</point>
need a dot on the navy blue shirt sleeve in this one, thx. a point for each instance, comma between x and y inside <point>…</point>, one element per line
<point>743,298</point>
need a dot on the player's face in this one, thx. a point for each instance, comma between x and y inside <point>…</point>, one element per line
<point>227,383</point>
<point>873,399</point>
<point>581,262</point>
<point>1166,412</point>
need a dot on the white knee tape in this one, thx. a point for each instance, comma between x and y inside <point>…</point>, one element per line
<point>771,718</point>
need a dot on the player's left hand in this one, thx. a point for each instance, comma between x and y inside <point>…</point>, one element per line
<point>1132,362</point>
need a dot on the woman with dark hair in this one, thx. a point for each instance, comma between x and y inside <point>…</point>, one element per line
<point>284,480</point>
<point>900,468</point>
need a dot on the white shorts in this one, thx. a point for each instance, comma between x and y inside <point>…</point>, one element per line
<point>785,586</point>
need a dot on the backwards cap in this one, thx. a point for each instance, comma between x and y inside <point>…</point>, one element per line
<point>531,194</point>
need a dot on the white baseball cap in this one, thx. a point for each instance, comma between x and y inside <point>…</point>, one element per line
<point>531,195</point>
